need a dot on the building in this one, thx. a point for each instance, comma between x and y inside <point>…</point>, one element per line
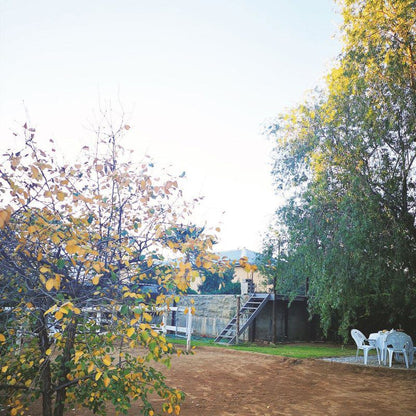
<point>241,273</point>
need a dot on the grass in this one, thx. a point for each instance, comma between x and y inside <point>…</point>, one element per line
<point>300,350</point>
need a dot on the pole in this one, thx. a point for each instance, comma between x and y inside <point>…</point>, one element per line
<point>237,329</point>
<point>274,335</point>
<point>188,330</point>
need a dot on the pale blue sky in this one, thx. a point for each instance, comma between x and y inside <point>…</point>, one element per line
<point>196,78</point>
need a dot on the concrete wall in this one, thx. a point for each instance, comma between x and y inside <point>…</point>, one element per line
<point>292,322</point>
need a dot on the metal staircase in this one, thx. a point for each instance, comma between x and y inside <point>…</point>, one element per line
<point>248,312</point>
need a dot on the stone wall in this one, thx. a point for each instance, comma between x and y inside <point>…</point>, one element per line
<point>212,312</point>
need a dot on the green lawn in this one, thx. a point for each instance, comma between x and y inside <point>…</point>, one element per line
<point>300,350</point>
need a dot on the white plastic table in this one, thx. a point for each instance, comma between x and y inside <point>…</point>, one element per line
<point>379,340</point>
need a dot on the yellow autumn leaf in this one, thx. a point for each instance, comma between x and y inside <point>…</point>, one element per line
<point>78,355</point>
<point>57,282</point>
<point>50,284</point>
<point>48,351</point>
<point>39,257</point>
<point>91,367</point>
<point>51,309</point>
<point>61,195</point>
<point>130,332</point>
<point>147,317</point>
<point>97,267</point>
<point>4,369</point>
<point>28,383</point>
<point>71,248</point>
<point>59,315</point>
<point>96,279</point>
<point>98,375</point>
<point>35,172</point>
<point>31,229</point>
<point>56,239</point>
<point>106,381</point>
<point>3,218</point>
<point>44,269</point>
<point>107,360</point>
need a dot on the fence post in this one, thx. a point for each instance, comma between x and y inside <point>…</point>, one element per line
<point>237,328</point>
<point>164,322</point>
<point>188,329</point>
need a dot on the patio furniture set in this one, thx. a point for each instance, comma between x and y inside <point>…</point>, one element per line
<point>387,344</point>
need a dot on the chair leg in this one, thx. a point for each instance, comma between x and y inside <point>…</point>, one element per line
<point>406,360</point>
<point>356,355</point>
<point>365,356</point>
<point>390,357</point>
<point>378,356</point>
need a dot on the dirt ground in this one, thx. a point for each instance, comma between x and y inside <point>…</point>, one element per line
<point>222,382</point>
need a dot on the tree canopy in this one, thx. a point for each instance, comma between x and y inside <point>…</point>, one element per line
<point>79,243</point>
<point>347,159</point>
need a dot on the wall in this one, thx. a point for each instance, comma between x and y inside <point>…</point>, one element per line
<point>292,322</point>
<point>213,312</point>
<point>260,282</point>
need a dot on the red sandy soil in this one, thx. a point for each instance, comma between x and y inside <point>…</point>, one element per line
<point>223,382</point>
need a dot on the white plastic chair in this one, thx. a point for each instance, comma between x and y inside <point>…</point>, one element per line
<point>379,340</point>
<point>398,343</point>
<point>362,344</point>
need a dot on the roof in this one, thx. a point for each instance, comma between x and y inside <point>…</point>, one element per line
<point>236,255</point>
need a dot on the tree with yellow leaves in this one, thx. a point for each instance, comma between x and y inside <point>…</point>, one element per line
<point>78,244</point>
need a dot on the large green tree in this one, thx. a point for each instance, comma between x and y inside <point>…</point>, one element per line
<point>347,159</point>
<point>78,245</point>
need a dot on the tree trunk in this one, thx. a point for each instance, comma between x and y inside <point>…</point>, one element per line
<point>64,371</point>
<point>45,372</point>
<point>274,312</point>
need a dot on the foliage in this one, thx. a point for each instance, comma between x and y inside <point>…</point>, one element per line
<point>216,282</point>
<point>79,244</point>
<point>219,280</point>
<point>347,157</point>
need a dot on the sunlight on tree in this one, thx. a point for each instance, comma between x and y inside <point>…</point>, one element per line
<point>346,159</point>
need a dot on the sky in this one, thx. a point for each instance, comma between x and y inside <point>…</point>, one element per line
<point>196,79</point>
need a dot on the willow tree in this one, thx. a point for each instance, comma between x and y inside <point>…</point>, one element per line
<point>348,157</point>
<point>79,244</point>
